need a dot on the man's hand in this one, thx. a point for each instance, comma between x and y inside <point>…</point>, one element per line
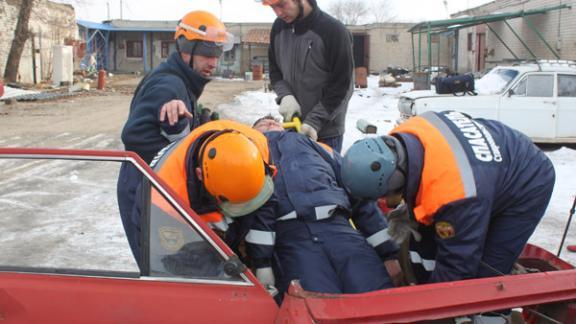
<point>289,107</point>
<point>309,131</point>
<point>173,110</point>
<point>266,277</point>
<point>395,272</point>
<point>401,225</point>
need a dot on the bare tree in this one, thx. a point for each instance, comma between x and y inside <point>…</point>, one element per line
<point>349,12</point>
<point>382,11</point>
<point>353,12</point>
<point>21,35</point>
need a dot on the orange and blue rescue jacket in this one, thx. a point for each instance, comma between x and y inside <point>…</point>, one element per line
<point>175,165</point>
<point>471,170</point>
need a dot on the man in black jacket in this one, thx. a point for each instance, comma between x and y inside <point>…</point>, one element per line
<point>311,66</point>
<point>164,104</point>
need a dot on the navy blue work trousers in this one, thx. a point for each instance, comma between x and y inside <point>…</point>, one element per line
<point>327,256</point>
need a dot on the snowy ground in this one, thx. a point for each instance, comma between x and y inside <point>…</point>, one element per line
<point>378,105</point>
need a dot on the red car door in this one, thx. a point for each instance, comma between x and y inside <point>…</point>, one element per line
<point>65,258</point>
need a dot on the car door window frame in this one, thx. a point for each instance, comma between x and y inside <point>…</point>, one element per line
<point>186,214</point>
<point>525,83</point>
<point>573,94</point>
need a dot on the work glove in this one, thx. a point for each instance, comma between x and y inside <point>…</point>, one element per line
<point>309,131</point>
<point>289,107</point>
<point>266,277</point>
<point>401,225</point>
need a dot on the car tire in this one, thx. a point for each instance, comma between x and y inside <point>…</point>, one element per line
<point>548,147</point>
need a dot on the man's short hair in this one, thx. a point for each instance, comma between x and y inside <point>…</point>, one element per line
<point>269,116</point>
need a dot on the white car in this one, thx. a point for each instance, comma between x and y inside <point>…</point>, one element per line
<point>538,99</point>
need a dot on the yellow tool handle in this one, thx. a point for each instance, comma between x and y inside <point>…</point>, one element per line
<point>295,124</point>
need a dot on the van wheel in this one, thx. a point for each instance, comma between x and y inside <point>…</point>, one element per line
<point>571,146</point>
<point>547,147</point>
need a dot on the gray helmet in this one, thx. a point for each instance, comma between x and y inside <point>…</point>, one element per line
<point>374,167</point>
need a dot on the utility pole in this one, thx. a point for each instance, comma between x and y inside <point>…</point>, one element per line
<point>108,9</point>
<point>121,9</point>
<point>220,9</point>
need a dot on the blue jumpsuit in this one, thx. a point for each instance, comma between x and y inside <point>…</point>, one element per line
<point>506,184</point>
<point>308,234</point>
<point>144,134</point>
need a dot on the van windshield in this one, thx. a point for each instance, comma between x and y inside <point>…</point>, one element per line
<point>495,81</point>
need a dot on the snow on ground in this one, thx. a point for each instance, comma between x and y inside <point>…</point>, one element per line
<point>10,92</point>
<point>378,106</point>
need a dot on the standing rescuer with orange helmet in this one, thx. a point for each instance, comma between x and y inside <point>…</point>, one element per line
<point>164,105</point>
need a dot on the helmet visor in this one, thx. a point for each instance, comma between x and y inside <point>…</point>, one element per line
<point>241,209</point>
<point>219,37</point>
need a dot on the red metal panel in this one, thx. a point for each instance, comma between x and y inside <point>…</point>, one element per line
<point>441,300</point>
<point>32,298</point>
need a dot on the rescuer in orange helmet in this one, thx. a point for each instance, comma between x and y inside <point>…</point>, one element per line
<point>222,171</point>
<point>164,107</point>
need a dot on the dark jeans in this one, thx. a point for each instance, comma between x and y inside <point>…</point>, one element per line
<point>334,142</point>
<point>128,181</point>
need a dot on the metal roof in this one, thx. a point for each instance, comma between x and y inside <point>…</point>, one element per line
<point>130,25</point>
<point>438,26</point>
<point>257,36</point>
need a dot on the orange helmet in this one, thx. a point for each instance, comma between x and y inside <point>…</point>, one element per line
<point>269,2</point>
<point>204,26</point>
<point>235,172</point>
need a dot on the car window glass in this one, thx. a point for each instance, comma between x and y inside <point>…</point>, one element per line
<point>520,88</point>
<point>62,216</point>
<point>566,85</point>
<point>495,81</point>
<point>540,85</point>
<point>177,250</point>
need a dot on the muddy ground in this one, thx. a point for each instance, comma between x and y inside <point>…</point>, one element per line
<point>91,120</point>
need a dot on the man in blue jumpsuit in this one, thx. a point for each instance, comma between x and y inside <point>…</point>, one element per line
<point>164,104</point>
<point>309,233</point>
<point>474,189</point>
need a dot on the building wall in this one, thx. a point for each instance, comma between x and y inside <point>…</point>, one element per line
<point>246,52</point>
<point>51,23</point>
<point>557,27</point>
<point>120,62</point>
<point>391,45</point>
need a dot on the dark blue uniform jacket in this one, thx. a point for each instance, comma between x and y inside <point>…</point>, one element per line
<point>172,79</point>
<point>508,183</point>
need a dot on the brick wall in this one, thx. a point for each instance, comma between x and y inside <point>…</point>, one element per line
<point>50,22</point>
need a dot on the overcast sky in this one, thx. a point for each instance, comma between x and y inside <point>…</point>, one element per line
<point>247,10</point>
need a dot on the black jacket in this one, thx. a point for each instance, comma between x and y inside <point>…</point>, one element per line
<point>312,60</point>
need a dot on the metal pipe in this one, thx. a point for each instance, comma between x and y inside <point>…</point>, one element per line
<point>520,39</point>
<point>413,54</point>
<point>501,41</point>
<point>428,85</point>
<point>419,50</point>
<point>537,32</point>
<point>567,226</point>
